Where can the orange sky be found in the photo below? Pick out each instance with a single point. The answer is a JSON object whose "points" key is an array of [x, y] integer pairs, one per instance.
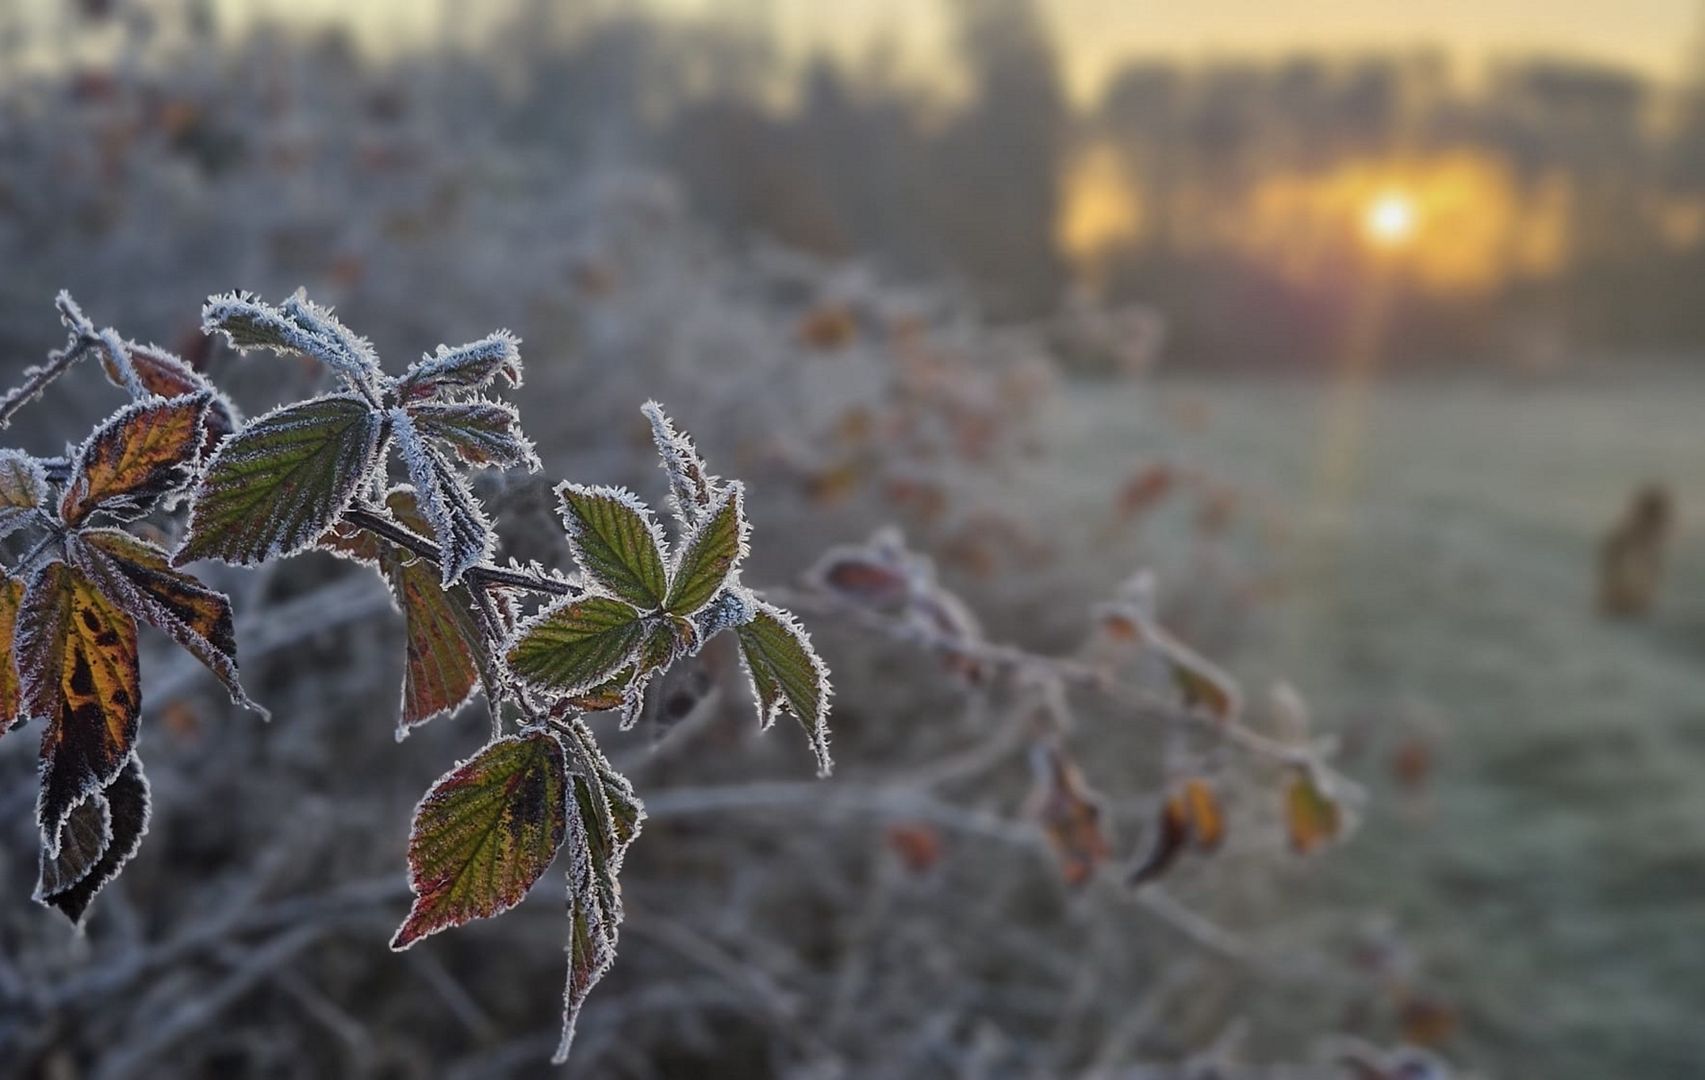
{"points": [[1096, 35]]}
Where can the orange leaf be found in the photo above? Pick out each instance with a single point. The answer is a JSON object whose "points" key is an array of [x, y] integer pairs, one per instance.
{"points": [[1312, 817], [147, 449]]}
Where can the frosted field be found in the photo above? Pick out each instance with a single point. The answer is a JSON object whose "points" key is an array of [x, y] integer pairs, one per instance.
{"points": [[1553, 878]]}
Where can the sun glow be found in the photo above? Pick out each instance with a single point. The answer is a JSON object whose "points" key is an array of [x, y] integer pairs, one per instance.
{"points": [[1390, 220]]}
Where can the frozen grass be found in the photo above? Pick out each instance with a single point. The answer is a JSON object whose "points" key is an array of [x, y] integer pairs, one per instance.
{"points": [[1551, 881]]}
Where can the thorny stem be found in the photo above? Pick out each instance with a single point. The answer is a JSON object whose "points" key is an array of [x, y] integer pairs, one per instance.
{"points": [[483, 574], [1067, 670], [36, 379]]}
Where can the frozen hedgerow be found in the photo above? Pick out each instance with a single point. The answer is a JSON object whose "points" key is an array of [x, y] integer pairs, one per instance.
{"points": [[542, 646]]}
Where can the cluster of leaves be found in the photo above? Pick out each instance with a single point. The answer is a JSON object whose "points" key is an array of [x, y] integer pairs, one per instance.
{"points": [[317, 475]]}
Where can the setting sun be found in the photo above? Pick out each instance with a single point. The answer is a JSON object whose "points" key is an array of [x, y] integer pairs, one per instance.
{"points": [[1390, 219]]}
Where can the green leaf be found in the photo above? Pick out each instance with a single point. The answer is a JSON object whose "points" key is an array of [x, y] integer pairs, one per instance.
{"points": [[574, 645], [297, 325], [100, 836], [23, 489], [459, 524], [76, 655], [273, 488], [138, 577], [691, 487], [710, 555], [591, 933], [485, 833], [466, 367], [616, 542], [787, 673], [146, 450], [480, 432]]}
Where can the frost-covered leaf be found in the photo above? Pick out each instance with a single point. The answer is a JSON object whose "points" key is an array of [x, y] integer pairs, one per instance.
{"points": [[576, 644], [76, 654], [591, 933], [1191, 815], [144, 451], [480, 432], [11, 596], [1070, 815], [616, 542], [297, 325], [709, 556], [122, 810], [786, 672], [138, 577], [691, 487], [1313, 818], [149, 369], [467, 367], [458, 522], [484, 834], [273, 488], [440, 629], [23, 490]]}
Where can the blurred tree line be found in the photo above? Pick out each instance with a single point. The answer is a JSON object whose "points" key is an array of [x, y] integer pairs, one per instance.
{"points": [[1560, 204]]}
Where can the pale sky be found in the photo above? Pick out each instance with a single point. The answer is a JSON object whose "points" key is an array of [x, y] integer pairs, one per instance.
{"points": [[1095, 35]]}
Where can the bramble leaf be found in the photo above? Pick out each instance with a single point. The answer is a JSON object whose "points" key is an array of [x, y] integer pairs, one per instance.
{"points": [[76, 654], [458, 522], [11, 596], [1191, 814], [574, 645], [691, 487], [480, 432], [616, 542], [466, 367], [441, 672], [709, 556], [138, 577], [273, 488], [591, 935], [786, 672], [144, 451], [149, 369], [23, 489], [70, 883], [484, 834], [297, 325], [1313, 818]]}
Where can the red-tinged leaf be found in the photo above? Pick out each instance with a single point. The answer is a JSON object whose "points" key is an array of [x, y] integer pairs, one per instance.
{"points": [[616, 542], [459, 524], [23, 490], [138, 577], [480, 432], [485, 833], [149, 369], [786, 672], [275, 487], [708, 558], [146, 450], [71, 882], [76, 655], [575, 645], [854, 574], [918, 845], [1313, 818], [441, 672], [11, 596], [467, 367]]}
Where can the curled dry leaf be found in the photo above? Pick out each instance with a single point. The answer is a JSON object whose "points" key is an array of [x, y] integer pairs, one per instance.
{"points": [[1070, 814]]}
